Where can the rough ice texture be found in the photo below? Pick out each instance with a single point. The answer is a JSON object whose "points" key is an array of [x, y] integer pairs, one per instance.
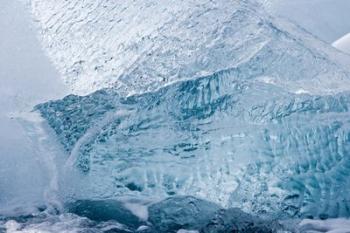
{"points": [[141, 45], [243, 144], [178, 213], [235, 220], [267, 130]]}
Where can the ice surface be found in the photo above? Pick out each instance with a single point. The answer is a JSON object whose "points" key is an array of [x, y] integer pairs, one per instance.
{"points": [[178, 213], [262, 124], [239, 143], [234, 106], [235, 220], [98, 44]]}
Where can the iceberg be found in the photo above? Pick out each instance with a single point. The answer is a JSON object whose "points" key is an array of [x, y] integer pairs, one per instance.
{"points": [[233, 142], [238, 108], [181, 116]]}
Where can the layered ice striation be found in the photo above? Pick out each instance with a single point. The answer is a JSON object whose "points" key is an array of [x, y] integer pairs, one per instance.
{"points": [[137, 46], [259, 120]]}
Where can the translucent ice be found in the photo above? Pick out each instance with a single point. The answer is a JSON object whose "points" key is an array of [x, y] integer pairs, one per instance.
{"points": [[140, 45], [258, 121]]}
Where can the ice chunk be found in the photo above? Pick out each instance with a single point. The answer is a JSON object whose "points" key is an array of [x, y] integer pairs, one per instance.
{"points": [[239, 143], [243, 136], [235, 220], [176, 213], [105, 210]]}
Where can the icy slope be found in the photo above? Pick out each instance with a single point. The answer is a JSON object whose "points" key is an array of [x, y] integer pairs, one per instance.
{"points": [[139, 46], [259, 120]]}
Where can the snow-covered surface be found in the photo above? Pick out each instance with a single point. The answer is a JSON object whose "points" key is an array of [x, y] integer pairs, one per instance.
{"points": [[343, 44]]}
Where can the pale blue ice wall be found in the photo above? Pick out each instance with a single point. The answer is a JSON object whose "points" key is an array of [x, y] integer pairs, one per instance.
{"points": [[268, 133]]}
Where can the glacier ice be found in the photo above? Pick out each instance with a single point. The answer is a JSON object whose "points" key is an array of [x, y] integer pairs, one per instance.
{"points": [[235, 220], [189, 213], [99, 44], [237, 142], [175, 214], [238, 108], [172, 215]]}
